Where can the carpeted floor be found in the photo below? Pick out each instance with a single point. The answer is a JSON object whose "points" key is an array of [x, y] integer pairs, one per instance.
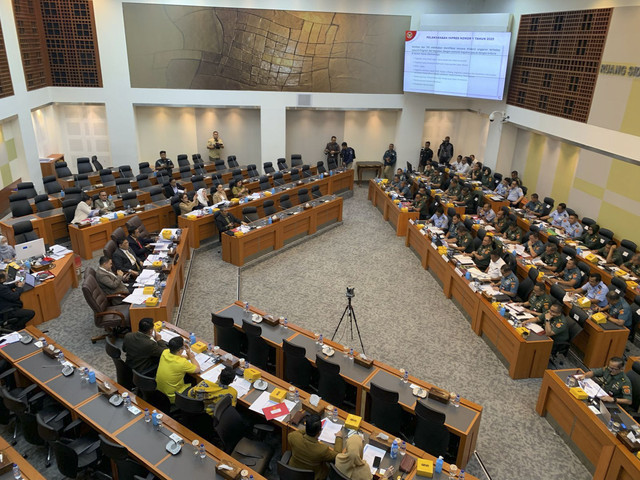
{"points": [[403, 316]]}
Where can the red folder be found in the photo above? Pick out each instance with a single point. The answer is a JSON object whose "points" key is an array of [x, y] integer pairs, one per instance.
{"points": [[275, 411]]}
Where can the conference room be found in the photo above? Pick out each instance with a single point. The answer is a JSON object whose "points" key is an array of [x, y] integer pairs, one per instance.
{"points": [[257, 245]]}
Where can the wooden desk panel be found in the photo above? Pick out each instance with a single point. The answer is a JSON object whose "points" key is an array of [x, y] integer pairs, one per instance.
{"points": [[28, 471], [390, 210]]}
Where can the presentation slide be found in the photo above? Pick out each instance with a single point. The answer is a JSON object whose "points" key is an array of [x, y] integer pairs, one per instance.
{"points": [[463, 64]]}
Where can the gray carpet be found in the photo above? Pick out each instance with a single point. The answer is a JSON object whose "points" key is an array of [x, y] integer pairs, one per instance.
{"points": [[404, 318]]}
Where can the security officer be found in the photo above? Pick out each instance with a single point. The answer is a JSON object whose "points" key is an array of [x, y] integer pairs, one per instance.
{"points": [[463, 240], [513, 233], [555, 326], [539, 300], [613, 380], [550, 258], [534, 206], [482, 256], [618, 310], [509, 283], [534, 245], [571, 275], [595, 289]]}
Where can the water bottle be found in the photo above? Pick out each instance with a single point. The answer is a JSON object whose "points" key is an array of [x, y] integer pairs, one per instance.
{"points": [[461, 475], [439, 463], [269, 221], [351, 354], [61, 358], [86, 375], [126, 399], [147, 416], [83, 378], [92, 376], [203, 452], [209, 348], [45, 344], [192, 338], [291, 395], [297, 396], [456, 401], [154, 418], [16, 472], [476, 282], [61, 193], [335, 414], [285, 324], [502, 311], [321, 340], [164, 325], [403, 448], [110, 197], [405, 377], [468, 275], [394, 450], [246, 307], [610, 425]]}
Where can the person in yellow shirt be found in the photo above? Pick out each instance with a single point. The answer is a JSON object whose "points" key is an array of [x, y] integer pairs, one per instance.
{"points": [[173, 366], [211, 393], [214, 145]]}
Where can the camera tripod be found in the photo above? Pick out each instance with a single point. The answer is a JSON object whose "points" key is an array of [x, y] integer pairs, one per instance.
{"points": [[348, 310]]}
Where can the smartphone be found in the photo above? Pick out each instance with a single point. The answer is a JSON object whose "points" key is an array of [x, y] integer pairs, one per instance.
{"points": [[376, 462]]}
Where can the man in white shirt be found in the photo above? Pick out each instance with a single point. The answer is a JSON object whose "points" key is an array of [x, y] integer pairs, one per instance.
{"points": [[494, 269], [463, 167]]}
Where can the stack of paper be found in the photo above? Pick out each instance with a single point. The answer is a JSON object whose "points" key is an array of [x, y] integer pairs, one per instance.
{"points": [[146, 277], [241, 385], [205, 361], [592, 388], [329, 430], [463, 259], [263, 401], [58, 251], [167, 335], [370, 453], [212, 374], [137, 297]]}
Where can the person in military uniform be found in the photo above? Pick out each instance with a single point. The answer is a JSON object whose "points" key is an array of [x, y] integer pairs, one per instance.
{"points": [[466, 200], [556, 217], [513, 233], [611, 253], [488, 181], [613, 380], [211, 393], [486, 213], [550, 258], [595, 290], [571, 226], [420, 205], [501, 222], [534, 245], [509, 283], [555, 326], [539, 301], [426, 155], [441, 180], [617, 310], [534, 206], [571, 275], [591, 236], [456, 221], [482, 255], [633, 265], [476, 172], [434, 175], [463, 240], [454, 189]]}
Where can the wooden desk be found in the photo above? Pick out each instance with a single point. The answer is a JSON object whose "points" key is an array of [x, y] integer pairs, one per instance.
{"points": [[172, 293], [617, 464], [26, 469], [586, 431], [236, 250], [390, 211], [45, 298], [375, 166], [48, 167]]}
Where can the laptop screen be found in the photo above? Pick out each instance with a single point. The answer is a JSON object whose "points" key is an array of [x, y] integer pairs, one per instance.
{"points": [[11, 273], [30, 280]]}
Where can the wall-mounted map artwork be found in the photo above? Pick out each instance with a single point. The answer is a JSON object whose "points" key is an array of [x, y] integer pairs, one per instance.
{"points": [[211, 48]]}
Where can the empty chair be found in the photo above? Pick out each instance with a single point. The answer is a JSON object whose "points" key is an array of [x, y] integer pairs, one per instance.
{"points": [[431, 434], [618, 285], [69, 208], [579, 315], [282, 164], [96, 164], [306, 171], [144, 167], [586, 221], [199, 169], [219, 164], [264, 184], [606, 233], [130, 199], [285, 202], [216, 178], [148, 390], [250, 214], [268, 207], [198, 182], [268, 167], [123, 185], [295, 174], [386, 412], [51, 184], [296, 160], [303, 195], [106, 175], [185, 172], [183, 161], [42, 203], [62, 170], [315, 191], [84, 165], [125, 466], [331, 387], [73, 193], [258, 351], [19, 205], [125, 171], [27, 188], [332, 164], [278, 179], [232, 161], [197, 158], [193, 415], [124, 374], [252, 171], [226, 335], [143, 180], [156, 194], [82, 180], [321, 168], [287, 472], [162, 177], [297, 369], [23, 232]]}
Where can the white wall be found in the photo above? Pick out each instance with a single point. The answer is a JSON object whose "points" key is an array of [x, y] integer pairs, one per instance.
{"points": [[467, 131]]}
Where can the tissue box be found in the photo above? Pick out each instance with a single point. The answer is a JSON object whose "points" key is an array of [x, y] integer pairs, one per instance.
{"points": [[238, 234], [353, 422], [404, 209], [157, 326], [166, 234], [199, 347], [104, 220], [149, 291], [522, 331], [156, 263], [591, 258], [579, 393], [191, 216], [251, 374], [420, 225], [620, 273], [631, 284], [442, 250], [267, 193], [583, 302], [599, 317], [151, 302], [396, 201], [424, 467], [278, 395], [120, 215]]}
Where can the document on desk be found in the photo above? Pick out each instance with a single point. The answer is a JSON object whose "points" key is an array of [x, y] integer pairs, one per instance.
{"points": [[241, 385], [9, 339], [592, 388], [205, 361], [263, 402], [167, 335], [463, 259], [535, 328], [370, 453], [329, 430], [58, 251], [212, 374], [146, 277], [137, 296]]}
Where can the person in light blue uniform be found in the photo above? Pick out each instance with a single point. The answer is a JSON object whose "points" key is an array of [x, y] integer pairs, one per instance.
{"points": [[439, 219], [617, 310], [572, 226], [556, 217], [595, 290], [509, 283]]}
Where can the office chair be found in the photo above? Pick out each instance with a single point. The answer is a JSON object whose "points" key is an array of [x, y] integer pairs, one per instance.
{"points": [[81, 180], [618, 285], [563, 347], [42, 203], [124, 374], [331, 387], [606, 233], [268, 168], [62, 170], [268, 208], [51, 184], [296, 160], [19, 205], [232, 431], [156, 194], [106, 175], [476, 242], [579, 315], [148, 389], [199, 169], [303, 195], [84, 165], [130, 200], [524, 290], [634, 378], [335, 474], [219, 164], [557, 292], [431, 434], [298, 370], [192, 414], [108, 249], [263, 183], [629, 245], [321, 168], [306, 171], [27, 189], [183, 161], [113, 318], [185, 172], [287, 472], [197, 158], [125, 171], [252, 171], [19, 401], [250, 214], [569, 251], [282, 164], [125, 467], [315, 191], [175, 205], [123, 185], [332, 164], [532, 274], [96, 164], [73, 193], [278, 179], [23, 232], [198, 182], [232, 162], [285, 202], [258, 351], [69, 209], [236, 174], [135, 222], [295, 175], [227, 336], [143, 180], [144, 168], [585, 270], [386, 413]]}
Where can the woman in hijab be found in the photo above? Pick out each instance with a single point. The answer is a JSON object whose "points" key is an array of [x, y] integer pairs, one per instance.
{"points": [[7, 252], [201, 197], [350, 462]]}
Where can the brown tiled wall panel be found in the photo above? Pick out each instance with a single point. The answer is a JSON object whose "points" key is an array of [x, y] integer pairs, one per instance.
{"points": [[6, 87]]}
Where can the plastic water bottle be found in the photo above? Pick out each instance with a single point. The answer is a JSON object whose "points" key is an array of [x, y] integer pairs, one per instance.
{"points": [[85, 375], [456, 401], [209, 348], [335, 414], [285, 324], [147, 416], [61, 358], [468, 275], [393, 453], [127, 400], [110, 197], [321, 340], [203, 452], [92, 376], [502, 311], [246, 307], [154, 418], [351, 354], [403, 448], [296, 397], [439, 463], [405, 377], [192, 338], [16, 471], [61, 193], [461, 475]]}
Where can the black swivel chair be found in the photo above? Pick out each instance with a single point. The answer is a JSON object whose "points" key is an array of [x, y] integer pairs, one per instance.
{"points": [[144, 168], [557, 292], [386, 413], [130, 199], [268, 207], [227, 336], [258, 351], [198, 182], [219, 164], [192, 414], [282, 164], [331, 386], [183, 161], [285, 202], [84, 165], [236, 174], [81, 180], [143, 180], [51, 184], [185, 172], [335, 474], [42, 203], [148, 390], [263, 183], [106, 175], [27, 188], [124, 374], [321, 168], [232, 161], [23, 232], [199, 169], [19, 205], [73, 193], [563, 347], [579, 315], [634, 378], [297, 369], [156, 194], [315, 191], [303, 195], [125, 171], [125, 467], [268, 168], [296, 160], [278, 179], [524, 290], [250, 214], [96, 164], [123, 185], [306, 171], [431, 434], [295, 175], [62, 170], [287, 472], [69, 209], [252, 171]]}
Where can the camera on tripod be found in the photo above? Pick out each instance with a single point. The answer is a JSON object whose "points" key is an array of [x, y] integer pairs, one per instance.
{"points": [[350, 292]]}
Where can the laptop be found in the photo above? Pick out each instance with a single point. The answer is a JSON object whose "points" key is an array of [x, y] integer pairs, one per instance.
{"points": [[11, 275], [34, 248], [29, 282]]}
